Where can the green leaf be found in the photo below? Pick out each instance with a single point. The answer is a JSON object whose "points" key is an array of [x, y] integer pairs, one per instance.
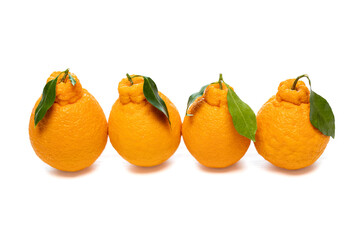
{"points": [[243, 117], [193, 97], [72, 80], [47, 100], [321, 115], [152, 96]]}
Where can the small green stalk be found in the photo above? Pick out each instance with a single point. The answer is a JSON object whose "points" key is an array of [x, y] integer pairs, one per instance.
{"points": [[221, 80], [129, 78], [66, 72], [297, 79]]}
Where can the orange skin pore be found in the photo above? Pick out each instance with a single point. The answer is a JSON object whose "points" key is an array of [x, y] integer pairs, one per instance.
{"points": [[73, 133], [210, 135], [285, 136], [138, 131]]}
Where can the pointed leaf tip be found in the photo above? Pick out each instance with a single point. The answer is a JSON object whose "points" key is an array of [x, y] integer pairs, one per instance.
{"points": [[243, 117], [47, 100], [152, 96]]}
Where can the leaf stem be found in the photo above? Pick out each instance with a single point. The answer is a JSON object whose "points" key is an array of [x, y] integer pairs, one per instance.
{"points": [[129, 78], [297, 79], [221, 80]]}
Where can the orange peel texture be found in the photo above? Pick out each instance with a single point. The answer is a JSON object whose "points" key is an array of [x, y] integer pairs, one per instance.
{"points": [[138, 131], [73, 133], [210, 135], [285, 136]]}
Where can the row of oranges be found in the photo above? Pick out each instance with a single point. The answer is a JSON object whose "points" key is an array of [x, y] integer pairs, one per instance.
{"points": [[68, 129]]}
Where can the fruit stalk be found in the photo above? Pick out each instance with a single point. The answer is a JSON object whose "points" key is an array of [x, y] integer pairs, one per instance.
{"points": [[221, 80], [129, 78], [297, 79], [66, 72]]}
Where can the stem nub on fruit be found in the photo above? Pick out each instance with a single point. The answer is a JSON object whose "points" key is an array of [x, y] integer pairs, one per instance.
{"points": [[129, 78], [221, 80], [66, 72]]}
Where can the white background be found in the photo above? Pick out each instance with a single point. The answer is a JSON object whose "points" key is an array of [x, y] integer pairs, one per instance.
{"points": [[182, 45]]}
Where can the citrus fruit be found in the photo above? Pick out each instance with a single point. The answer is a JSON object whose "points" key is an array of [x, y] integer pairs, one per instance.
{"points": [[140, 132], [73, 132], [285, 136], [208, 129]]}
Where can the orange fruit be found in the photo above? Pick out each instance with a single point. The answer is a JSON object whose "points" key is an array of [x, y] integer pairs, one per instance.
{"points": [[210, 135], [73, 133], [138, 131], [285, 136]]}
